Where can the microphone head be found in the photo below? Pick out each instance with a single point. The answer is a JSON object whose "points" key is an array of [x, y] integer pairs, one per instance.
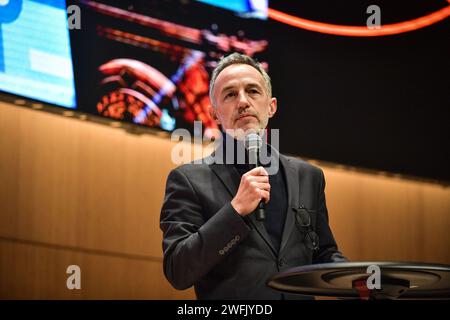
{"points": [[253, 141]]}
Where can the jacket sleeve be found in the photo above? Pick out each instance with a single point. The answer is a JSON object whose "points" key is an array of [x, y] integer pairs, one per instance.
{"points": [[328, 250], [191, 244]]}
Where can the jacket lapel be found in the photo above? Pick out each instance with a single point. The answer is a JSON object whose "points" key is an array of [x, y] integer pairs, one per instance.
{"points": [[229, 176], [261, 228], [292, 185]]}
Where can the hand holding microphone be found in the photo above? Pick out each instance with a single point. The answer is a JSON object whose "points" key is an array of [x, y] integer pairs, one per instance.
{"points": [[254, 189]]}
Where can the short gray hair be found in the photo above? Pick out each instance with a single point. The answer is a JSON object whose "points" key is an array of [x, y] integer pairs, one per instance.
{"points": [[237, 58]]}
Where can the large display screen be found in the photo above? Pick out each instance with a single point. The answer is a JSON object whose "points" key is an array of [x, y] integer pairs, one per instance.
{"points": [[347, 93], [135, 62], [35, 57]]}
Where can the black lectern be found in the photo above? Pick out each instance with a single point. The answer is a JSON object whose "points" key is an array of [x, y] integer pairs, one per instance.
{"points": [[399, 280]]}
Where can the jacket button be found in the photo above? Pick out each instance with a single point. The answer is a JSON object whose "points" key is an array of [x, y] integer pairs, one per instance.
{"points": [[280, 262]]}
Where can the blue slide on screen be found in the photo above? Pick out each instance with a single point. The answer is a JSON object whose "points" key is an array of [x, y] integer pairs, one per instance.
{"points": [[35, 58]]}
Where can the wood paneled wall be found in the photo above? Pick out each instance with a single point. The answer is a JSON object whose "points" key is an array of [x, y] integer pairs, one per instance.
{"points": [[77, 192]]}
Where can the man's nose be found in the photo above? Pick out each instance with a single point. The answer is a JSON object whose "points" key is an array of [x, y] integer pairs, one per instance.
{"points": [[242, 100]]}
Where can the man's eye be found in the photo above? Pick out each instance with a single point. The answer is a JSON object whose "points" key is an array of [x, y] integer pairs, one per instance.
{"points": [[229, 94], [253, 91]]}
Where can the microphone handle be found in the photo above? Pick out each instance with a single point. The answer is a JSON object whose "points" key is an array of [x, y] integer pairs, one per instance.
{"points": [[261, 211], [261, 208]]}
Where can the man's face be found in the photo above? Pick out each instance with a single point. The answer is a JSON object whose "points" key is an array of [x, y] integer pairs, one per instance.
{"points": [[241, 99]]}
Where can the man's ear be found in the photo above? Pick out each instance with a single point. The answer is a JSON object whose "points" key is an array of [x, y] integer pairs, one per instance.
{"points": [[272, 107], [213, 113]]}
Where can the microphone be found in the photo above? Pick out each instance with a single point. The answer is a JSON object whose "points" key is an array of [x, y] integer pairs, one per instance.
{"points": [[253, 143]]}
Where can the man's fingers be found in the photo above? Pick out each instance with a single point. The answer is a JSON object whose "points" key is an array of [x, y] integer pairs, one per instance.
{"points": [[260, 179], [265, 195], [262, 186], [258, 171], [262, 171]]}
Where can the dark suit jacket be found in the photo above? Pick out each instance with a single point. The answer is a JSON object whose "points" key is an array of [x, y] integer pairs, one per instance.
{"points": [[208, 245]]}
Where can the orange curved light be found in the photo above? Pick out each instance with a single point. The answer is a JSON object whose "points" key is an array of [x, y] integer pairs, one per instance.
{"points": [[359, 31]]}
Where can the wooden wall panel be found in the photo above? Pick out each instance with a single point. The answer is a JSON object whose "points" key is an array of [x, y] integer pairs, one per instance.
{"points": [[375, 217], [29, 271], [72, 189], [81, 184]]}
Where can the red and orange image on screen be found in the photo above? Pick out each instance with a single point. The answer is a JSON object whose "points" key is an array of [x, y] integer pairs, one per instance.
{"points": [[161, 78]]}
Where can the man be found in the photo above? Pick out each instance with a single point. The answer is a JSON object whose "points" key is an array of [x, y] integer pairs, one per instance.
{"points": [[212, 239]]}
